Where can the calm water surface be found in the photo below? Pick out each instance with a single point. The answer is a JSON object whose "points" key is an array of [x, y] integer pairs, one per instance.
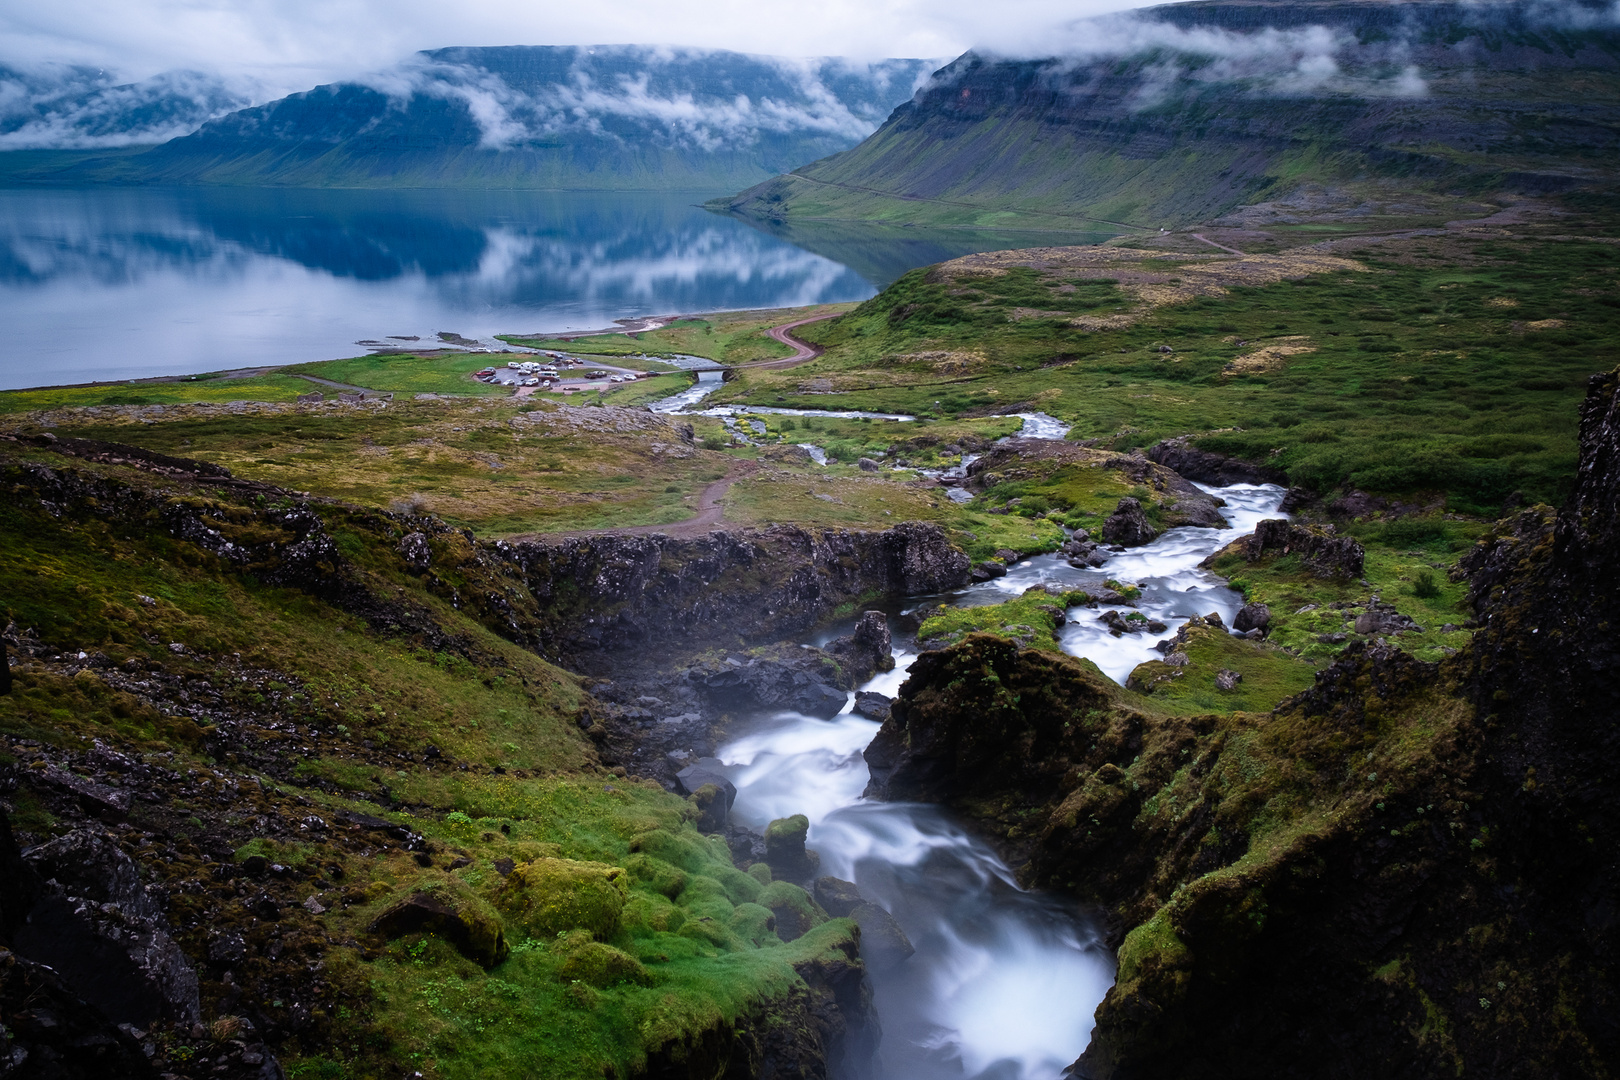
{"points": [[108, 284]]}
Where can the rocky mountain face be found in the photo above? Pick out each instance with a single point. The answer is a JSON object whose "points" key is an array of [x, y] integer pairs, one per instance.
{"points": [[608, 117], [1404, 871], [1182, 113]]}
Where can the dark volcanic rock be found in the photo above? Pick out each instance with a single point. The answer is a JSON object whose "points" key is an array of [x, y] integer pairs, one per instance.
{"points": [[883, 943], [784, 677], [1207, 467], [104, 932], [867, 651], [1322, 551], [1128, 525], [873, 705], [53, 1034], [600, 596], [1252, 616], [837, 896]]}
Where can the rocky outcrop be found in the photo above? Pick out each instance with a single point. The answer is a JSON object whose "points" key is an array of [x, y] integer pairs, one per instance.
{"points": [[1173, 499], [982, 717], [780, 677], [1320, 549], [1128, 525], [601, 595], [103, 931], [1207, 467], [865, 652]]}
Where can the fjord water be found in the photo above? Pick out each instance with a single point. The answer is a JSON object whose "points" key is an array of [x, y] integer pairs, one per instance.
{"points": [[1004, 982], [121, 283]]}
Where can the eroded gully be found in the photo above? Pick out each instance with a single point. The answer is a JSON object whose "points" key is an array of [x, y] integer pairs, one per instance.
{"points": [[1004, 982]]}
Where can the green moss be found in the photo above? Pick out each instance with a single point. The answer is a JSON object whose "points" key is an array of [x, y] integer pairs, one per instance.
{"points": [[1033, 620], [549, 896]]}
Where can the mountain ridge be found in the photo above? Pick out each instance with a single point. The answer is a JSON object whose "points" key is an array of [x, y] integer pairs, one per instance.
{"points": [[1185, 112], [544, 117]]}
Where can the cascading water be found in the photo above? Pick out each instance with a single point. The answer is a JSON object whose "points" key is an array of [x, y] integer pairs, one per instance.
{"points": [[1004, 982]]}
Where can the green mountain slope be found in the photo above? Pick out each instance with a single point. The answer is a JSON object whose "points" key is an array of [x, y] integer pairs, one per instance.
{"points": [[1187, 111]]}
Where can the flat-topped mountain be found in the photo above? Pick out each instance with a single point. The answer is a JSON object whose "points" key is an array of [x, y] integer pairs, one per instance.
{"points": [[1184, 112], [610, 117]]}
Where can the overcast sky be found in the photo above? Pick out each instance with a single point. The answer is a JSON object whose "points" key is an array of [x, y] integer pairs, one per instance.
{"points": [[287, 45]]}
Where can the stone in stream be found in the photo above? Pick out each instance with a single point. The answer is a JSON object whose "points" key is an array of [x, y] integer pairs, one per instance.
{"points": [[837, 896], [866, 652], [873, 705], [1128, 525], [988, 571], [883, 943], [785, 852]]}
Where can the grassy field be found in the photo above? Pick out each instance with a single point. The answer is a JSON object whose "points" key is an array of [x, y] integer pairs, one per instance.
{"points": [[413, 373], [1444, 365], [203, 389], [728, 337]]}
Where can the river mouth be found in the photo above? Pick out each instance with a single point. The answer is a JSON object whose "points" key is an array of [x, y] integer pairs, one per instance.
{"points": [[1004, 982]]}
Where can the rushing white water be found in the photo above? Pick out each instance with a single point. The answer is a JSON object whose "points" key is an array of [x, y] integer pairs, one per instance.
{"points": [[1037, 425], [1004, 983]]}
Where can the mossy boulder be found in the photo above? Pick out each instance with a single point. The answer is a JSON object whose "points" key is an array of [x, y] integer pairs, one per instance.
{"points": [[785, 851], [602, 966], [655, 875], [796, 913], [549, 896]]}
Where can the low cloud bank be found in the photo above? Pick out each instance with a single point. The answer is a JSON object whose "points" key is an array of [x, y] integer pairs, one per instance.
{"points": [[82, 108], [632, 91]]}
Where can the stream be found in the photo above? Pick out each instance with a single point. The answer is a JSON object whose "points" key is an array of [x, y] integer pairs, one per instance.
{"points": [[1004, 982]]}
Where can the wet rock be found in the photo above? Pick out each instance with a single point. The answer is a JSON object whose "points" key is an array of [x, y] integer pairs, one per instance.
{"points": [[747, 846], [1252, 616], [1133, 623], [883, 943], [476, 934], [837, 896], [785, 852], [866, 464], [867, 651], [693, 777], [1227, 679], [415, 551], [785, 677], [1128, 525], [873, 705], [1214, 619], [988, 570]]}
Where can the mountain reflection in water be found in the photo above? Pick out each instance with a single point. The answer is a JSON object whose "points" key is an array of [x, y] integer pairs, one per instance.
{"points": [[127, 283]]}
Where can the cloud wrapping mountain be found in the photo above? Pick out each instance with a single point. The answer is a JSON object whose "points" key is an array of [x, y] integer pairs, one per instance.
{"points": [[81, 108]]}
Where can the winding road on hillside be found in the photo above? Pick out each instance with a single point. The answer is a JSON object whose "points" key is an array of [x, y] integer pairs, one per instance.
{"points": [[802, 350]]}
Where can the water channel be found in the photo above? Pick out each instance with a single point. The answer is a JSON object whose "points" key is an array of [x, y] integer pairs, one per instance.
{"points": [[1004, 982]]}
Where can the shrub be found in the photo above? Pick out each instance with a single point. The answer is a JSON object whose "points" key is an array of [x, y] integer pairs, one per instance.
{"points": [[1424, 585]]}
